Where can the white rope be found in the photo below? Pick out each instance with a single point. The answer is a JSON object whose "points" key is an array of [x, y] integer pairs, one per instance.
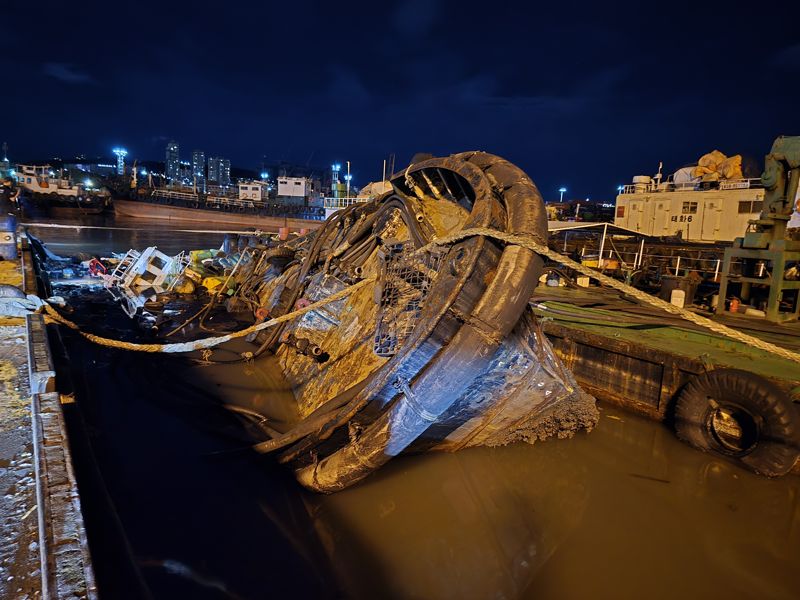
{"points": [[205, 342], [525, 241], [528, 242]]}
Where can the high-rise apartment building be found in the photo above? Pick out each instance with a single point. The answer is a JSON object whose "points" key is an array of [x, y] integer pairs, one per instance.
{"points": [[199, 169], [219, 170], [172, 164]]}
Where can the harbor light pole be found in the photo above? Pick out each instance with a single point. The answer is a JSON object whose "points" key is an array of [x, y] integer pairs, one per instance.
{"points": [[562, 190], [121, 154], [347, 178]]}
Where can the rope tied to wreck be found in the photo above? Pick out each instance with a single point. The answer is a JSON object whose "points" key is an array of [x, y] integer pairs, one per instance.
{"points": [[530, 243], [205, 343], [524, 241]]}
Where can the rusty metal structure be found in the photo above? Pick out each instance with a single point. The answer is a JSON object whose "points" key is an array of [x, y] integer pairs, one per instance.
{"points": [[765, 252]]}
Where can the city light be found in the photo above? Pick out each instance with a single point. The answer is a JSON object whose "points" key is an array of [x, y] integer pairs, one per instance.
{"points": [[88, 183], [562, 190], [620, 188], [348, 177], [144, 171], [264, 174]]}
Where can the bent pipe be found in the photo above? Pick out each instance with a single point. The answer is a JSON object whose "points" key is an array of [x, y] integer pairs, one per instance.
{"points": [[465, 355]]}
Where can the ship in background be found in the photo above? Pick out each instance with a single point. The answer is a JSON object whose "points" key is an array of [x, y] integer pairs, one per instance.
{"points": [[42, 190], [710, 202], [291, 203]]}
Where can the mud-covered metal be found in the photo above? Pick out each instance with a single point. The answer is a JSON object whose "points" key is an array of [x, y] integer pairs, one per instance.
{"points": [[435, 354]]}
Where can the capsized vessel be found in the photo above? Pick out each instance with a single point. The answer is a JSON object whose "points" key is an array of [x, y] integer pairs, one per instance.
{"points": [[440, 351]]}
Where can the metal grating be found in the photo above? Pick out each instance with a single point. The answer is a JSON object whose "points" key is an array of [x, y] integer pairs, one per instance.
{"points": [[407, 279]]}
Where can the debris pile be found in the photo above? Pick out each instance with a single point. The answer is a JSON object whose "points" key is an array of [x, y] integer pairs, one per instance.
{"points": [[441, 352], [390, 340]]}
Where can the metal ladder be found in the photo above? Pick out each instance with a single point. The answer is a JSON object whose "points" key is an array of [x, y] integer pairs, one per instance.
{"points": [[118, 274]]}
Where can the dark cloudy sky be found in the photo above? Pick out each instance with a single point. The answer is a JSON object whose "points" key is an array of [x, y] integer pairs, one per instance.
{"points": [[582, 95]]}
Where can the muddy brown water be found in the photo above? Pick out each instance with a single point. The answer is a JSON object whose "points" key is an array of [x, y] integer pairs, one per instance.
{"points": [[626, 511]]}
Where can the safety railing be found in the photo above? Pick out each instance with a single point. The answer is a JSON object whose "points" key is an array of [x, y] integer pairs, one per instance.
{"points": [[224, 201], [340, 203], [670, 186], [176, 195]]}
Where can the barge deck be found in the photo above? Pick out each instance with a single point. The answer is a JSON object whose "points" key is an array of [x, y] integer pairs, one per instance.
{"points": [[643, 360]]}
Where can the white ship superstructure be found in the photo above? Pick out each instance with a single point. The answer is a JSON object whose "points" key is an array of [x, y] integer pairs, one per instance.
{"points": [[697, 211]]}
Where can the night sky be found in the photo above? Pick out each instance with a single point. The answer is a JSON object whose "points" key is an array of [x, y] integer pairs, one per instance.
{"points": [[584, 96]]}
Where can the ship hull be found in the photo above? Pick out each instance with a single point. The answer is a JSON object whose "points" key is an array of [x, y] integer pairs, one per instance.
{"points": [[147, 210], [57, 206]]}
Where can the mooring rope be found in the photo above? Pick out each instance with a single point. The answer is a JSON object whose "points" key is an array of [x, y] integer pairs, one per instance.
{"points": [[205, 342], [525, 241]]}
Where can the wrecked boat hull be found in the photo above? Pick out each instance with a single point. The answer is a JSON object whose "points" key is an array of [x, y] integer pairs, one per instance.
{"points": [[429, 392], [390, 339]]}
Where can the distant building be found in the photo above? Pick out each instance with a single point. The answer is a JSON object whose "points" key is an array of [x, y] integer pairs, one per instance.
{"points": [[219, 171], [185, 172], [172, 164], [199, 169]]}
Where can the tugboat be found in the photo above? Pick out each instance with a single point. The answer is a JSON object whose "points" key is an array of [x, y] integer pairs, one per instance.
{"points": [[41, 189]]}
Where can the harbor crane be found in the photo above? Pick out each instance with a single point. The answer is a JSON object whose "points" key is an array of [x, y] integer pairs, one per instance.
{"points": [[765, 242]]}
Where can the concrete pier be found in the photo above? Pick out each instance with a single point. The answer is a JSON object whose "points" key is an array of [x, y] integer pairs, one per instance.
{"points": [[43, 549], [19, 542]]}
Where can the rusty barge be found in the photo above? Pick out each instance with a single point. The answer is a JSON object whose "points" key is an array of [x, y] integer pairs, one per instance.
{"points": [[176, 211]]}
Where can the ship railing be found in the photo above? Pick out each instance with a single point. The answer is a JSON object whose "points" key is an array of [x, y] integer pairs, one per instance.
{"points": [[340, 203], [122, 268], [689, 186], [225, 202], [173, 194]]}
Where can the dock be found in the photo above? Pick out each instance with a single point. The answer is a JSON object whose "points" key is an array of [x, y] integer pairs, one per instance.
{"points": [[44, 552], [641, 359]]}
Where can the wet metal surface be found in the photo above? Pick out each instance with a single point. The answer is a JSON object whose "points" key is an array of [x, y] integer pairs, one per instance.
{"points": [[625, 512]]}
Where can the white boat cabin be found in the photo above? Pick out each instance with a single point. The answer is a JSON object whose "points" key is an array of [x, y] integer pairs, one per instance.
{"points": [[42, 179], [698, 212]]}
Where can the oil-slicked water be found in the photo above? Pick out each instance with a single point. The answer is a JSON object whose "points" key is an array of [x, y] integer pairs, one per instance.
{"points": [[626, 511]]}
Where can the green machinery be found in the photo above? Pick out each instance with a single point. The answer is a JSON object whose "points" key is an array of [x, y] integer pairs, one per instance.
{"points": [[764, 252]]}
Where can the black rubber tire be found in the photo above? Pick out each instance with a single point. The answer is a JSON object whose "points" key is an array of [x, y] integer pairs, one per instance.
{"points": [[771, 419]]}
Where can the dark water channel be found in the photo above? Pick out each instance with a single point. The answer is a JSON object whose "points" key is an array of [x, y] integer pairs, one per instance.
{"points": [[176, 509]]}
